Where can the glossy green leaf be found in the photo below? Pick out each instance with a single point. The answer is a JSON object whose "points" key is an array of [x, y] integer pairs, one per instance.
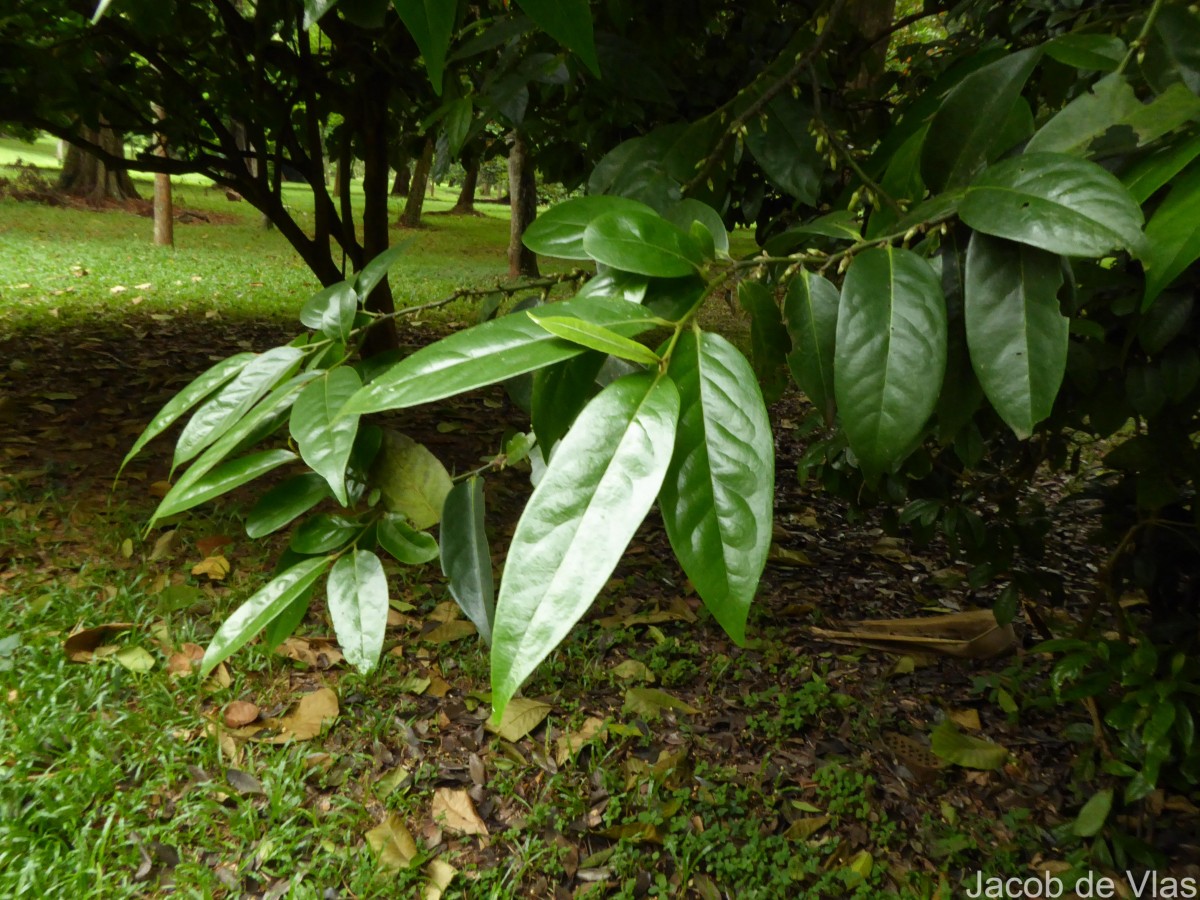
{"points": [[1172, 235], [1056, 203], [559, 393], [220, 480], [783, 144], [769, 341], [613, 284], [963, 134], [329, 308], [217, 415], [1172, 55], [1095, 52], [313, 10], [810, 309], [488, 353], [358, 606], [324, 437], [959, 749], [688, 211], [643, 243], [197, 390], [413, 481], [559, 230], [431, 23], [466, 558], [594, 494], [458, 125], [890, 354], [1094, 814], [284, 503], [1160, 167], [596, 337], [376, 270], [323, 532], [267, 603], [1016, 334], [405, 543], [567, 21], [717, 497], [842, 225]]}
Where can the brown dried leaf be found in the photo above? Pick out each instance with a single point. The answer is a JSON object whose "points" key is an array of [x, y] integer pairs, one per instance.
{"points": [[453, 809], [570, 744], [81, 645], [520, 717], [966, 718], [311, 714], [164, 545], [215, 568], [240, 713], [320, 653], [209, 545]]}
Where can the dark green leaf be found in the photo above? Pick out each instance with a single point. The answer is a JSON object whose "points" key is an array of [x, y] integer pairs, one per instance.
{"points": [[688, 211], [717, 498], [1172, 235], [596, 337], [963, 133], [1095, 52], [220, 480], [1173, 53], [643, 243], [283, 503], [811, 311], [594, 494], [313, 10], [1056, 203], [1160, 167], [466, 559], [458, 125], [376, 270], [358, 606], [842, 225], [567, 21], [249, 618], [325, 438], [323, 533], [1016, 334], [783, 144], [431, 23], [613, 284], [199, 388], [559, 231], [890, 354], [329, 307], [488, 353], [405, 543], [769, 341], [559, 393]]}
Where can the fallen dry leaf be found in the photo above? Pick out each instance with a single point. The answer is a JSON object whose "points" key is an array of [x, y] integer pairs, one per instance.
{"points": [[966, 718], [81, 645], [449, 631], [393, 843], [214, 542], [215, 568], [570, 744], [163, 545], [440, 873], [240, 713], [304, 723], [320, 653], [520, 717], [453, 809]]}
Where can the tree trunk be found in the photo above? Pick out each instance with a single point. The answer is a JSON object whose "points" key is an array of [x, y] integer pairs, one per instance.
{"points": [[465, 205], [411, 217], [871, 17], [164, 212], [400, 185], [382, 336], [522, 190], [86, 176]]}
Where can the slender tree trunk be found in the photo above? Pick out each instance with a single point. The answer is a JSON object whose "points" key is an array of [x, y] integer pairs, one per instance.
{"points": [[164, 211], [85, 176], [411, 218], [870, 17], [382, 336], [402, 180], [522, 191], [465, 205]]}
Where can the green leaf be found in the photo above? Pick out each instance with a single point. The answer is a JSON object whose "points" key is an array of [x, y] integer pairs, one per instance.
{"points": [[330, 309], [220, 480], [718, 495], [890, 354], [488, 353], [643, 243], [597, 337], [688, 211], [959, 749], [431, 23], [466, 559], [559, 393], [811, 311], [594, 494], [1056, 203], [567, 21], [613, 284], [376, 270], [1093, 52], [1160, 167], [323, 533], [313, 11], [1094, 814], [1172, 55], [267, 603], [325, 439], [285, 502], [1172, 235], [405, 543], [223, 411], [783, 144], [559, 231], [458, 125], [769, 341], [963, 134], [201, 387], [358, 606], [841, 225], [1016, 334], [413, 481]]}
